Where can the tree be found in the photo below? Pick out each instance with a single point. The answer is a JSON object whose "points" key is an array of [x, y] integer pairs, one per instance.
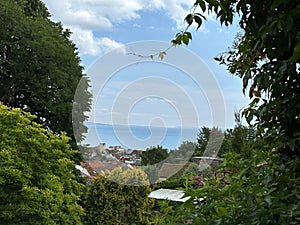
{"points": [[240, 139], [37, 178], [39, 66], [110, 202], [184, 152], [154, 155], [262, 188], [209, 142]]}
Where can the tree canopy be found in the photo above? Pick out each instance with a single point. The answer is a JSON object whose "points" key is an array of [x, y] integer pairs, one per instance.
{"points": [[39, 65], [37, 179], [154, 155]]}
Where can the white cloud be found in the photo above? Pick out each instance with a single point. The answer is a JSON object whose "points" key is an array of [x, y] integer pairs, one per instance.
{"points": [[91, 45], [84, 17]]}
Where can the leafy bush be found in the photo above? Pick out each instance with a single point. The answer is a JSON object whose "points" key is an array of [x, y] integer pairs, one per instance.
{"points": [[37, 178], [108, 202]]}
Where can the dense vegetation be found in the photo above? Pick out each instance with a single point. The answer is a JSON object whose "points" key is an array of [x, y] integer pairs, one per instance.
{"points": [[258, 181], [39, 66], [261, 186], [38, 184], [118, 197]]}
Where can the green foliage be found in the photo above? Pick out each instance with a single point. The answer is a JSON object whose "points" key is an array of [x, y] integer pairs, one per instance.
{"points": [[184, 152], [172, 183], [154, 155], [238, 139], [167, 213], [39, 66], [133, 177], [209, 142], [37, 178], [256, 190], [252, 191], [182, 37], [108, 202], [202, 170], [152, 172], [258, 183], [265, 57]]}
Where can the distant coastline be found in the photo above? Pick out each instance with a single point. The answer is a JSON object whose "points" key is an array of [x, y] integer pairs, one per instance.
{"points": [[137, 125], [138, 136]]}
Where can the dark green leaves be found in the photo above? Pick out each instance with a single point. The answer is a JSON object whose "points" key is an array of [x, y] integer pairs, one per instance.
{"points": [[196, 17], [296, 53], [40, 71], [189, 19]]}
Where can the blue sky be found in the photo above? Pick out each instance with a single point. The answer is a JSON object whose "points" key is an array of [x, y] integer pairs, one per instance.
{"points": [[100, 26]]}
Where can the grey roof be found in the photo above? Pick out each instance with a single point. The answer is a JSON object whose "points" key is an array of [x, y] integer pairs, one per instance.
{"points": [[169, 194]]}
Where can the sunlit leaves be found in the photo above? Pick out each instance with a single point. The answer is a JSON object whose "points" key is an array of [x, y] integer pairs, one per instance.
{"points": [[182, 37], [109, 201], [38, 182], [161, 55]]}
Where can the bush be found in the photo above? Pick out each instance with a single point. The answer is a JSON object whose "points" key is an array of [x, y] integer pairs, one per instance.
{"points": [[37, 178], [108, 202]]}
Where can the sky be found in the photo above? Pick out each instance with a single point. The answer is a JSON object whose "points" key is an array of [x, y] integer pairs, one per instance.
{"points": [[187, 88]]}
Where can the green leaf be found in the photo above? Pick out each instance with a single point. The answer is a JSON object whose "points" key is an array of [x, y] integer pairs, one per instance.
{"points": [[186, 38], [296, 53], [161, 55], [189, 19], [202, 5], [198, 20], [276, 3]]}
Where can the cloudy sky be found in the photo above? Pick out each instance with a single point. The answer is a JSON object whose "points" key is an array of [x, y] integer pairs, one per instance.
{"points": [[178, 91]]}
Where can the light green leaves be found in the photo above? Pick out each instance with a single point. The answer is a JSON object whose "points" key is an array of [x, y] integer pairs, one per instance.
{"points": [[182, 37], [38, 179], [161, 55]]}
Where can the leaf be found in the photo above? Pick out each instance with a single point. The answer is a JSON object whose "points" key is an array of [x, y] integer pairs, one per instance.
{"points": [[188, 34], [174, 42], [189, 19], [202, 5], [198, 20], [185, 38], [296, 53], [178, 39], [276, 3], [161, 55]]}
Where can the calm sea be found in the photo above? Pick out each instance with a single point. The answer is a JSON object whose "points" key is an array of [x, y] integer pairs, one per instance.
{"points": [[138, 137]]}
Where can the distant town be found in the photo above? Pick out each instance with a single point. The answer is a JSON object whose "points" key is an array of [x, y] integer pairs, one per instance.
{"points": [[101, 158]]}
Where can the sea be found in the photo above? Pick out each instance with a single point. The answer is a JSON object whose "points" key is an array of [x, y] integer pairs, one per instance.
{"points": [[138, 137]]}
